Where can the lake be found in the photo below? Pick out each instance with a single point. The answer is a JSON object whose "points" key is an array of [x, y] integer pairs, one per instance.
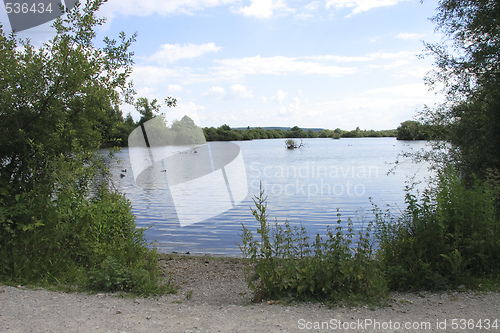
{"points": [[304, 186]]}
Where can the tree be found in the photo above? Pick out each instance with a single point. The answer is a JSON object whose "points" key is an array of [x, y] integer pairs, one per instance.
{"points": [[467, 65], [59, 109], [225, 133], [187, 132], [211, 134], [58, 105], [147, 109], [259, 133], [352, 134], [296, 132], [112, 126], [442, 237], [312, 134], [413, 130]]}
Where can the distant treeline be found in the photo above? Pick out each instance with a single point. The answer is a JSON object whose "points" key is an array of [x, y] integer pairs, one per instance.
{"points": [[408, 130], [226, 133]]}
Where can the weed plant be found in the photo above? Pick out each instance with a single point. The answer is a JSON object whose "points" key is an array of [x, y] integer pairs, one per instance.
{"points": [[332, 268], [447, 238]]}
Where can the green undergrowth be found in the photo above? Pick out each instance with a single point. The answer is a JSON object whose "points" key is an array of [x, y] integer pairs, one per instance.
{"points": [[334, 268], [63, 234], [448, 238]]}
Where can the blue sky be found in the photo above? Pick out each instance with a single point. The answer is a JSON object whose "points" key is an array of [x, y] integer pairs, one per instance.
{"points": [[325, 63]]}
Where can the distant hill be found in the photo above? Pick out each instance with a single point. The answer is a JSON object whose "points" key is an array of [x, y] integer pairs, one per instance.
{"points": [[280, 128]]}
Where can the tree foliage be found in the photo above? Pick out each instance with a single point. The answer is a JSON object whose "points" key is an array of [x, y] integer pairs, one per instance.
{"points": [[414, 130], [467, 66], [448, 234], [147, 109], [58, 110], [226, 133], [59, 103]]}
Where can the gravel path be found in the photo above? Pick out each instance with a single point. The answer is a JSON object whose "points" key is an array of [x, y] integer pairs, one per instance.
{"points": [[213, 297]]}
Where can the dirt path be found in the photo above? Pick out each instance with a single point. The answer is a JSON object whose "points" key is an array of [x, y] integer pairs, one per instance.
{"points": [[213, 297]]}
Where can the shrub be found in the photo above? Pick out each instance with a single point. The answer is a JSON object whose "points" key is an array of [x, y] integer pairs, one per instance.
{"points": [[447, 238], [63, 234], [334, 268], [56, 223], [292, 144]]}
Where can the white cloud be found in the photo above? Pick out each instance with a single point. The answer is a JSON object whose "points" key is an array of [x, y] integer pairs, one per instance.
{"points": [[393, 60], [285, 105], [155, 75], [236, 91], [366, 58], [368, 111], [239, 91], [312, 6], [263, 9], [173, 78], [235, 69], [415, 71], [215, 92], [395, 64], [149, 7], [169, 53], [291, 109], [186, 108], [148, 92], [393, 55], [174, 88], [308, 11], [339, 58], [280, 96], [294, 106], [278, 65], [418, 92], [360, 6]]}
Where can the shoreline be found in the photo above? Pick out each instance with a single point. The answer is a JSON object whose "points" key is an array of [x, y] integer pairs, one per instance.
{"points": [[213, 297]]}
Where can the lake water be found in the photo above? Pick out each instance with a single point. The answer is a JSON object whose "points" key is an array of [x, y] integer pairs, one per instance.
{"points": [[304, 186]]}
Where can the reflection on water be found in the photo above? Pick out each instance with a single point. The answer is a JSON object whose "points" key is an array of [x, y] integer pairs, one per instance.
{"points": [[305, 185]]}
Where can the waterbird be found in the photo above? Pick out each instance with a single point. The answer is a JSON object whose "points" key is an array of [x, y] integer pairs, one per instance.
{"points": [[122, 175], [124, 170]]}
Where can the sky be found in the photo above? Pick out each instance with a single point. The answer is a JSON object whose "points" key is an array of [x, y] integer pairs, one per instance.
{"points": [[307, 63]]}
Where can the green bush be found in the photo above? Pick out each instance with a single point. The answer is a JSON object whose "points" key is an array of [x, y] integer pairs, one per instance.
{"points": [[62, 233], [58, 225], [447, 238], [331, 269]]}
